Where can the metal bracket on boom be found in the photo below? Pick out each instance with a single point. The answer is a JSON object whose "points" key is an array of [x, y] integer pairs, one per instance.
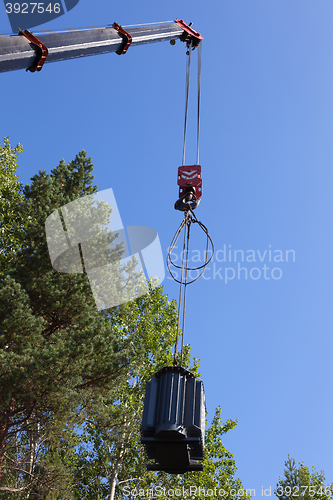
{"points": [[189, 36], [41, 50], [127, 39]]}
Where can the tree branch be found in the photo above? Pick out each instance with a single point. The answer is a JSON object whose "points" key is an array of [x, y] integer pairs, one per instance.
{"points": [[15, 490]]}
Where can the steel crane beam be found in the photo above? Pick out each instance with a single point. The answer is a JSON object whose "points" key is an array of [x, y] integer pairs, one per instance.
{"points": [[17, 52]]}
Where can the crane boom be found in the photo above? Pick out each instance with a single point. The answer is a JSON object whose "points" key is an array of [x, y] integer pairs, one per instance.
{"points": [[26, 52]]}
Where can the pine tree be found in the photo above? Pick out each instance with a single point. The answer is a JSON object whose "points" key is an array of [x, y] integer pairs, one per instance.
{"points": [[299, 482], [55, 347]]}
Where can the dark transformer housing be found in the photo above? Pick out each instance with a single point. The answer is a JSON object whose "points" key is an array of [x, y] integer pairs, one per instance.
{"points": [[173, 422]]}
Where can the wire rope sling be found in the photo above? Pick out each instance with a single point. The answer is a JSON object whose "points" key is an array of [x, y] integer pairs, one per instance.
{"points": [[173, 422]]}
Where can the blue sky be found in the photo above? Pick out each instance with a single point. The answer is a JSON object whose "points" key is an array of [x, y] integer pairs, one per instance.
{"points": [[266, 153]]}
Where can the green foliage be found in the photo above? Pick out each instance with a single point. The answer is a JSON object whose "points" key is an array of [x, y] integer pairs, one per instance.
{"points": [[55, 347], [94, 461], [299, 482], [72, 379], [12, 217]]}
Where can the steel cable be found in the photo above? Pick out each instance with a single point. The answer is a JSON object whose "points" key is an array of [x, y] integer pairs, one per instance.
{"points": [[187, 88], [199, 94], [189, 216]]}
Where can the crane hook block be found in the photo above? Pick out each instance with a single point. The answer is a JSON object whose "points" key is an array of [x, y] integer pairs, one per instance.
{"points": [[173, 421], [189, 180]]}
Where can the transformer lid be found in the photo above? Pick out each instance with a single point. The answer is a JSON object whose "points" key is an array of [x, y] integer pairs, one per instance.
{"points": [[174, 369]]}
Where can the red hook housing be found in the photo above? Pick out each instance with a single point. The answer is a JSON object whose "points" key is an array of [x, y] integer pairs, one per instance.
{"points": [[189, 180]]}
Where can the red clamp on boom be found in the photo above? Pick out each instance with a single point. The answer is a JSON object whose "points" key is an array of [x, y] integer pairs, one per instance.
{"points": [[189, 180], [189, 36], [41, 50], [126, 38]]}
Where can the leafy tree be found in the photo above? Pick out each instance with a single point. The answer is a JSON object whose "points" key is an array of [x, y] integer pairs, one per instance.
{"points": [[299, 482], [217, 480], [111, 462], [12, 217]]}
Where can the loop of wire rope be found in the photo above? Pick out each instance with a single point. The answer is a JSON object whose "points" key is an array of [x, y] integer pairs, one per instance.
{"points": [[189, 218], [173, 245]]}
